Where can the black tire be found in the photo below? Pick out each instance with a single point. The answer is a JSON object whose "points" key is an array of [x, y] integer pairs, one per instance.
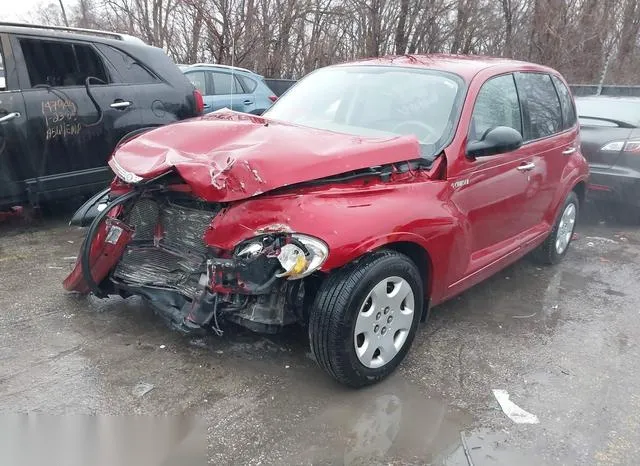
{"points": [[333, 316], [547, 253]]}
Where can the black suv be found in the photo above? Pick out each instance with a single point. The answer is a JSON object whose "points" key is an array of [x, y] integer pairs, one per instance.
{"points": [[68, 96]]}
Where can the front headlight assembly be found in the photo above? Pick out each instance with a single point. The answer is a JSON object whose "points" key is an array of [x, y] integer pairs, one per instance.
{"points": [[299, 255]]}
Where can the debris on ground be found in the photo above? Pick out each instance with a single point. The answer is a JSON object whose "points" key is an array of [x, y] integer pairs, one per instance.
{"points": [[467, 454], [142, 389], [513, 411]]}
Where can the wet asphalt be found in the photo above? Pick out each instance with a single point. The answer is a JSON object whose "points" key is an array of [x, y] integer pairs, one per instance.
{"points": [[562, 340]]}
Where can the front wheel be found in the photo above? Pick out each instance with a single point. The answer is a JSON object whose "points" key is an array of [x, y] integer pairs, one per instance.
{"points": [[557, 243], [365, 317]]}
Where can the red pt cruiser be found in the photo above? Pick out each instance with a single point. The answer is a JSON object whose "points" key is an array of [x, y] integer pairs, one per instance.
{"points": [[368, 193]]}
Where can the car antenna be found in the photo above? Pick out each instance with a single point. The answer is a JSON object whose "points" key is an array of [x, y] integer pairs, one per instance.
{"points": [[233, 77]]}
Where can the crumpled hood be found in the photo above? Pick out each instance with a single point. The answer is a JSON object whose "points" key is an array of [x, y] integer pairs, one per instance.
{"points": [[227, 156]]}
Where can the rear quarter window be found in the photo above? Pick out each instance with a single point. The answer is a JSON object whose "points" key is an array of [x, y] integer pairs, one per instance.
{"points": [[248, 84], [566, 103], [130, 70], [542, 104]]}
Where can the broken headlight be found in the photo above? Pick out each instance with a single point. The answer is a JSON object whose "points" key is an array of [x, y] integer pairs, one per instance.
{"points": [[123, 174], [299, 255]]}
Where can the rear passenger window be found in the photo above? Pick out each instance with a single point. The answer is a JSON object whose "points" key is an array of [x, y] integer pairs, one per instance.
{"points": [[545, 116], [199, 80], [248, 84], [496, 105], [131, 71], [59, 64], [223, 84], [566, 103]]}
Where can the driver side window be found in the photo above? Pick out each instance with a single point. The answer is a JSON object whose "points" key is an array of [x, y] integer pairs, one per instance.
{"points": [[497, 104]]}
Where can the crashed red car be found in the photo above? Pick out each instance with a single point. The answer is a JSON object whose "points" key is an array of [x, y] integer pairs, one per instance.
{"points": [[367, 194]]}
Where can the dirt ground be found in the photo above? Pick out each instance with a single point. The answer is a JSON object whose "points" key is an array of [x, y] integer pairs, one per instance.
{"points": [[563, 341]]}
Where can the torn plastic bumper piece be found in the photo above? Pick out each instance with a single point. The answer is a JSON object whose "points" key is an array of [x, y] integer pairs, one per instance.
{"points": [[90, 209], [106, 249]]}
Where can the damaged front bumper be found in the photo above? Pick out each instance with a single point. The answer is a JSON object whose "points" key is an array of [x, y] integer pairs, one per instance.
{"points": [[152, 246]]}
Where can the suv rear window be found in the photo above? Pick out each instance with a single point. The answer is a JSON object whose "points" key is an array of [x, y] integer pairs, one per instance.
{"points": [[248, 84], [60, 64], [223, 83], [128, 67], [545, 115]]}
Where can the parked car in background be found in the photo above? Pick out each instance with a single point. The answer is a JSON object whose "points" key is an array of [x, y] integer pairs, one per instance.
{"points": [[230, 87], [610, 134], [368, 193], [69, 97]]}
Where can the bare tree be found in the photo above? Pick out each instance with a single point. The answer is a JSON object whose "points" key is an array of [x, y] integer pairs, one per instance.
{"points": [[289, 38]]}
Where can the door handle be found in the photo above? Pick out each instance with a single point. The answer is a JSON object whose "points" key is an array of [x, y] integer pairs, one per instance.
{"points": [[9, 117], [120, 105], [206, 106], [248, 102], [569, 151], [526, 167]]}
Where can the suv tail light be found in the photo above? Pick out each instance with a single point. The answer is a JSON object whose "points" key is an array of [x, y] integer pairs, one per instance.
{"points": [[197, 95], [632, 146], [273, 98]]}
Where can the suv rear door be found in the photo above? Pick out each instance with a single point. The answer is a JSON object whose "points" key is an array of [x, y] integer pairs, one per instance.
{"points": [[14, 147], [70, 133], [227, 91]]}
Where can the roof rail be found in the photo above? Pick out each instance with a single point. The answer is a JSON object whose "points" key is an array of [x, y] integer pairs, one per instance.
{"points": [[217, 65], [95, 32]]}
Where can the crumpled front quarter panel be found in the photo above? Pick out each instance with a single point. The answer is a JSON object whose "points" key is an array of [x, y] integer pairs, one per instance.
{"points": [[352, 221]]}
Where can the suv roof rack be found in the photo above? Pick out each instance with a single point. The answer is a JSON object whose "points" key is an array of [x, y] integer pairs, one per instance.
{"points": [[217, 65], [95, 32]]}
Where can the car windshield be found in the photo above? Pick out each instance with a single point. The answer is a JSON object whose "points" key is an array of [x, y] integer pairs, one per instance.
{"points": [[377, 101], [627, 111]]}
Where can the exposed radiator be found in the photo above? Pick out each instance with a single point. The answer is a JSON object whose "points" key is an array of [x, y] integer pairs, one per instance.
{"points": [[158, 267], [180, 256]]}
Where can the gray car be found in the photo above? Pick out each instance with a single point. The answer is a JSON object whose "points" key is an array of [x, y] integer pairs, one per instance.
{"points": [[230, 87], [610, 135]]}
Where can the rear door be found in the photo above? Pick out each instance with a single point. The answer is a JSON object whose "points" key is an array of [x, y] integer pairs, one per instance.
{"points": [[548, 141], [70, 134], [228, 92], [15, 155]]}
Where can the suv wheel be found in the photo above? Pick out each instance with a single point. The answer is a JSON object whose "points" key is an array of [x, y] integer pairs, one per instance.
{"points": [[365, 317], [556, 245]]}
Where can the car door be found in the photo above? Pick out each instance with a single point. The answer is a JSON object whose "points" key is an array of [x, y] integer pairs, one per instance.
{"points": [[70, 135], [548, 139], [229, 93], [491, 192], [15, 156]]}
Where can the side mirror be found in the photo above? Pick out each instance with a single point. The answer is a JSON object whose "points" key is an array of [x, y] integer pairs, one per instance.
{"points": [[497, 140]]}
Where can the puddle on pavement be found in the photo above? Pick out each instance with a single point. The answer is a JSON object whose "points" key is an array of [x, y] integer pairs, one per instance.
{"points": [[483, 448], [384, 423]]}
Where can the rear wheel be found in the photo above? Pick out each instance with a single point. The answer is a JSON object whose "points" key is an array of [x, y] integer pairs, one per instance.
{"points": [[365, 316], [556, 245]]}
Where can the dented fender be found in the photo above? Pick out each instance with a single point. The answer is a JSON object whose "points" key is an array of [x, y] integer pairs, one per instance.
{"points": [[348, 220]]}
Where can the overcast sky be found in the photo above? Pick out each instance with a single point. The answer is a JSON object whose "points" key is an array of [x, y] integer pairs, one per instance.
{"points": [[18, 10]]}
